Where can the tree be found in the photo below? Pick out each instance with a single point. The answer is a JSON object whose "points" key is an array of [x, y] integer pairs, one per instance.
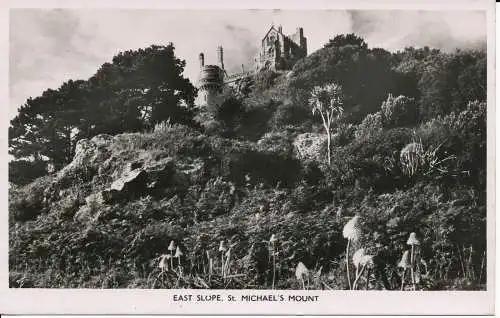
{"points": [[327, 100], [347, 39], [366, 75], [142, 88], [47, 127], [441, 82], [137, 90]]}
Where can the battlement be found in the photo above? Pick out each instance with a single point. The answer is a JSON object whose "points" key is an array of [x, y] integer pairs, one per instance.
{"points": [[211, 75]]}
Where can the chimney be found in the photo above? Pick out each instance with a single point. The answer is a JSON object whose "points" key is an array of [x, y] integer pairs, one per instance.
{"points": [[242, 68], [280, 29], [202, 60], [220, 57]]}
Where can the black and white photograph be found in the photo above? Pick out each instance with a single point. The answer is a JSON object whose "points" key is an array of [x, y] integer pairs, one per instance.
{"points": [[314, 151]]}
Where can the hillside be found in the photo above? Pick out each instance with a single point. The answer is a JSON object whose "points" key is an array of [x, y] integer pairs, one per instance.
{"points": [[247, 184]]}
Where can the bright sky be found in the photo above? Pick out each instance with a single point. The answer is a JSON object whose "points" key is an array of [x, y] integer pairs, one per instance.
{"points": [[48, 47]]}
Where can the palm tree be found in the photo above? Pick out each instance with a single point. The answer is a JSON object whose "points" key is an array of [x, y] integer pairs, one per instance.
{"points": [[327, 100]]}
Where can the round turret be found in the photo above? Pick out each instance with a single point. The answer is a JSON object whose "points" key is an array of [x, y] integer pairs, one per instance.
{"points": [[211, 84], [211, 78]]}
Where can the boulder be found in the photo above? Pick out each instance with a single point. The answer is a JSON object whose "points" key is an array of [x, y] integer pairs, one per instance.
{"points": [[129, 179], [160, 174], [141, 180], [129, 184]]}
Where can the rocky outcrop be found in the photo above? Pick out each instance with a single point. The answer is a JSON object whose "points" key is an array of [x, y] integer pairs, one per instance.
{"points": [[87, 154], [310, 145], [139, 179]]}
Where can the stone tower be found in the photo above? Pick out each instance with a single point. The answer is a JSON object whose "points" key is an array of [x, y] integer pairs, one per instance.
{"points": [[211, 80]]}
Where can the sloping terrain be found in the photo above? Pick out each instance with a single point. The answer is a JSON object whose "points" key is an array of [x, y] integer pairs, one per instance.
{"points": [[242, 196]]}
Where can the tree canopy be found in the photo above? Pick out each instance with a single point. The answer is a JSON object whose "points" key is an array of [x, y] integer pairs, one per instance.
{"points": [[134, 92]]}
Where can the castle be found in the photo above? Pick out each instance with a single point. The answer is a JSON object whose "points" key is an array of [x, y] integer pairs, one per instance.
{"points": [[278, 52]]}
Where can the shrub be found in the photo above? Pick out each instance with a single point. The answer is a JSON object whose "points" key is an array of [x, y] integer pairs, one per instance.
{"points": [[22, 172], [371, 161], [437, 216], [264, 79], [230, 113], [462, 135], [277, 142], [28, 202], [288, 114], [269, 169], [371, 125], [399, 111]]}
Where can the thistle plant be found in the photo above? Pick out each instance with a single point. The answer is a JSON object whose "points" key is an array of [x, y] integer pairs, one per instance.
{"points": [[272, 250], [227, 263], [361, 261], [352, 233], [356, 260], [301, 271], [178, 255], [171, 248], [404, 263], [210, 266], [222, 250], [413, 241], [163, 264]]}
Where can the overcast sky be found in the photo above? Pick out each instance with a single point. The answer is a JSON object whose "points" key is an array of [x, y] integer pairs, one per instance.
{"points": [[48, 47]]}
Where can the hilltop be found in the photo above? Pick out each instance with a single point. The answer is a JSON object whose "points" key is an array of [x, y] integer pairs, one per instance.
{"points": [[408, 155]]}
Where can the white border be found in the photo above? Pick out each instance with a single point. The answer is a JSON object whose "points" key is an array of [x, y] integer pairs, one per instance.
{"points": [[85, 301]]}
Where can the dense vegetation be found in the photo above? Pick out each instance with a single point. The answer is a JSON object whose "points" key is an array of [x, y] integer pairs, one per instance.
{"points": [[116, 174]]}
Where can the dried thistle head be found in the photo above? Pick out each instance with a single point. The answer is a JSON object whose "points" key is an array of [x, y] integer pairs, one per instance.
{"points": [[163, 264], [222, 246], [405, 260], [351, 229], [171, 246], [178, 252], [412, 240], [358, 255], [367, 260], [301, 271]]}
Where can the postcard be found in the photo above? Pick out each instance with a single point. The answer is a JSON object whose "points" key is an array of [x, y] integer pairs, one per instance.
{"points": [[254, 159]]}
